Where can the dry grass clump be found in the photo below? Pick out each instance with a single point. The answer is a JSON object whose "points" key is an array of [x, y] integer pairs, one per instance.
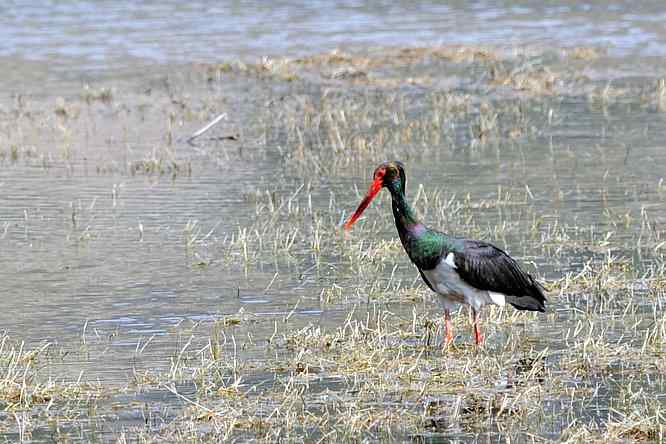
{"points": [[112, 130], [525, 78], [404, 107], [584, 52], [104, 94], [159, 166], [381, 58], [391, 68], [339, 131], [374, 376], [454, 53], [267, 67], [336, 57], [29, 394], [374, 67], [602, 96], [637, 419], [382, 375]]}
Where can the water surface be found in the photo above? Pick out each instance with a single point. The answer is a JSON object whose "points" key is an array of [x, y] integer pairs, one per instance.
{"points": [[100, 254]]}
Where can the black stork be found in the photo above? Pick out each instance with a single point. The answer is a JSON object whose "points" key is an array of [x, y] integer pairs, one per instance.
{"points": [[460, 271]]}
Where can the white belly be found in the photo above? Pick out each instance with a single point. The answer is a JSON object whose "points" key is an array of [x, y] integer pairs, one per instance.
{"points": [[452, 290]]}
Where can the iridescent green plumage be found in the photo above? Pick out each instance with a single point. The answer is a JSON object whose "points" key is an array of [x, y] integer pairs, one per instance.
{"points": [[423, 245]]}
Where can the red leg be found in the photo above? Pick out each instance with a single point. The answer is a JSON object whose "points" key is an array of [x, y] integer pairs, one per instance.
{"points": [[448, 329], [477, 334]]}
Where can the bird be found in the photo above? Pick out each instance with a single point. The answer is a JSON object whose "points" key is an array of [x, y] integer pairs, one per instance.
{"points": [[460, 271]]}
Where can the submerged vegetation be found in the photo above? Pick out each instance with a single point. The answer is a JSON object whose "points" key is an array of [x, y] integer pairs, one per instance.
{"points": [[279, 327]]}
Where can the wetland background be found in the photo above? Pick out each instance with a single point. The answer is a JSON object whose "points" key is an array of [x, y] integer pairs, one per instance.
{"points": [[160, 290]]}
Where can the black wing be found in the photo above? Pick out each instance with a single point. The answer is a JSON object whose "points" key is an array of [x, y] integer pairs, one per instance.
{"points": [[486, 267], [426, 280]]}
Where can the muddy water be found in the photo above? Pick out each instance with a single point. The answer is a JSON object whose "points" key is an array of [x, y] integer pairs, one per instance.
{"points": [[99, 258]]}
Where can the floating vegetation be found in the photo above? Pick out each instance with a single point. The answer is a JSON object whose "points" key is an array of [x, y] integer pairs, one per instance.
{"points": [[103, 94]]}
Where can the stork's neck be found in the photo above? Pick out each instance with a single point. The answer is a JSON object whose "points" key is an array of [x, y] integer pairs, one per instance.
{"points": [[405, 218]]}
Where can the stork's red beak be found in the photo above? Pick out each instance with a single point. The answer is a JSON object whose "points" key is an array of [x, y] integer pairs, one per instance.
{"points": [[372, 192]]}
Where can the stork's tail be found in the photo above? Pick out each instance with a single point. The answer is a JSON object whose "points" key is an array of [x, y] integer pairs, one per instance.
{"points": [[535, 301]]}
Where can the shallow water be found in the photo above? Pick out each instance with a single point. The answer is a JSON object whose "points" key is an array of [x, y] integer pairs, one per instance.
{"points": [[85, 39], [99, 259]]}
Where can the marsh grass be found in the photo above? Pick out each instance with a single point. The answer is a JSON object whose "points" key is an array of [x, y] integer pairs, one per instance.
{"points": [[383, 375], [350, 349], [383, 371], [30, 395]]}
